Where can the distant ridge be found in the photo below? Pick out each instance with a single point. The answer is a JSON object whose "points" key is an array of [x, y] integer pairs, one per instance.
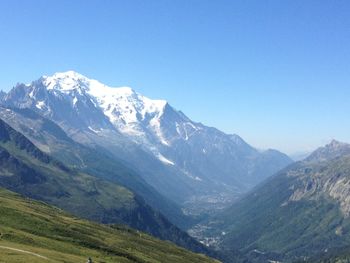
{"points": [[330, 151]]}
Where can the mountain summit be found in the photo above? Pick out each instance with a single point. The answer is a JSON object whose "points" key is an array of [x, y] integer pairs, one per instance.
{"points": [[333, 150], [124, 108], [184, 160]]}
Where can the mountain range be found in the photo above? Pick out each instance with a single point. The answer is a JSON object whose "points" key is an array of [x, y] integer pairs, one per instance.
{"points": [[197, 167]]}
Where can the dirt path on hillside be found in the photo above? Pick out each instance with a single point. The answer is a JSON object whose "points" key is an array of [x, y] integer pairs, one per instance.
{"points": [[24, 251]]}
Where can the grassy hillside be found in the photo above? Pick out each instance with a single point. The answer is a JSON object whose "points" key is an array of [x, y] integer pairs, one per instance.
{"points": [[47, 234]]}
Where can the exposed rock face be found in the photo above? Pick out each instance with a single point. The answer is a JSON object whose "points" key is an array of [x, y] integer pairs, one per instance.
{"points": [[341, 192], [329, 179], [326, 172]]}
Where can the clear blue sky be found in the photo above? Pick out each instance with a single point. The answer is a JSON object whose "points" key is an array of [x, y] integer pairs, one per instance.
{"points": [[275, 72]]}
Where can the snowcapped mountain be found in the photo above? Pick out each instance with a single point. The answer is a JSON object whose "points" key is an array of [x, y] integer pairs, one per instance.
{"points": [[85, 104], [127, 110], [184, 160]]}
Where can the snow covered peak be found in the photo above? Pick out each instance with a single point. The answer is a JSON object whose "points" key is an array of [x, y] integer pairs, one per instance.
{"points": [[67, 81], [62, 78], [125, 108], [70, 74], [70, 80]]}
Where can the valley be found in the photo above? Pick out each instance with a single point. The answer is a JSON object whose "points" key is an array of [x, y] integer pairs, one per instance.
{"points": [[299, 213]]}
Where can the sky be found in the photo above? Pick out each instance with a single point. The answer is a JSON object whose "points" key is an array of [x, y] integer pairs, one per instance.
{"points": [[277, 73]]}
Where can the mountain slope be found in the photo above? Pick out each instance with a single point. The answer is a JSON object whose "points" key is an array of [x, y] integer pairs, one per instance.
{"points": [[27, 170], [35, 232], [51, 139], [301, 212], [183, 160]]}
